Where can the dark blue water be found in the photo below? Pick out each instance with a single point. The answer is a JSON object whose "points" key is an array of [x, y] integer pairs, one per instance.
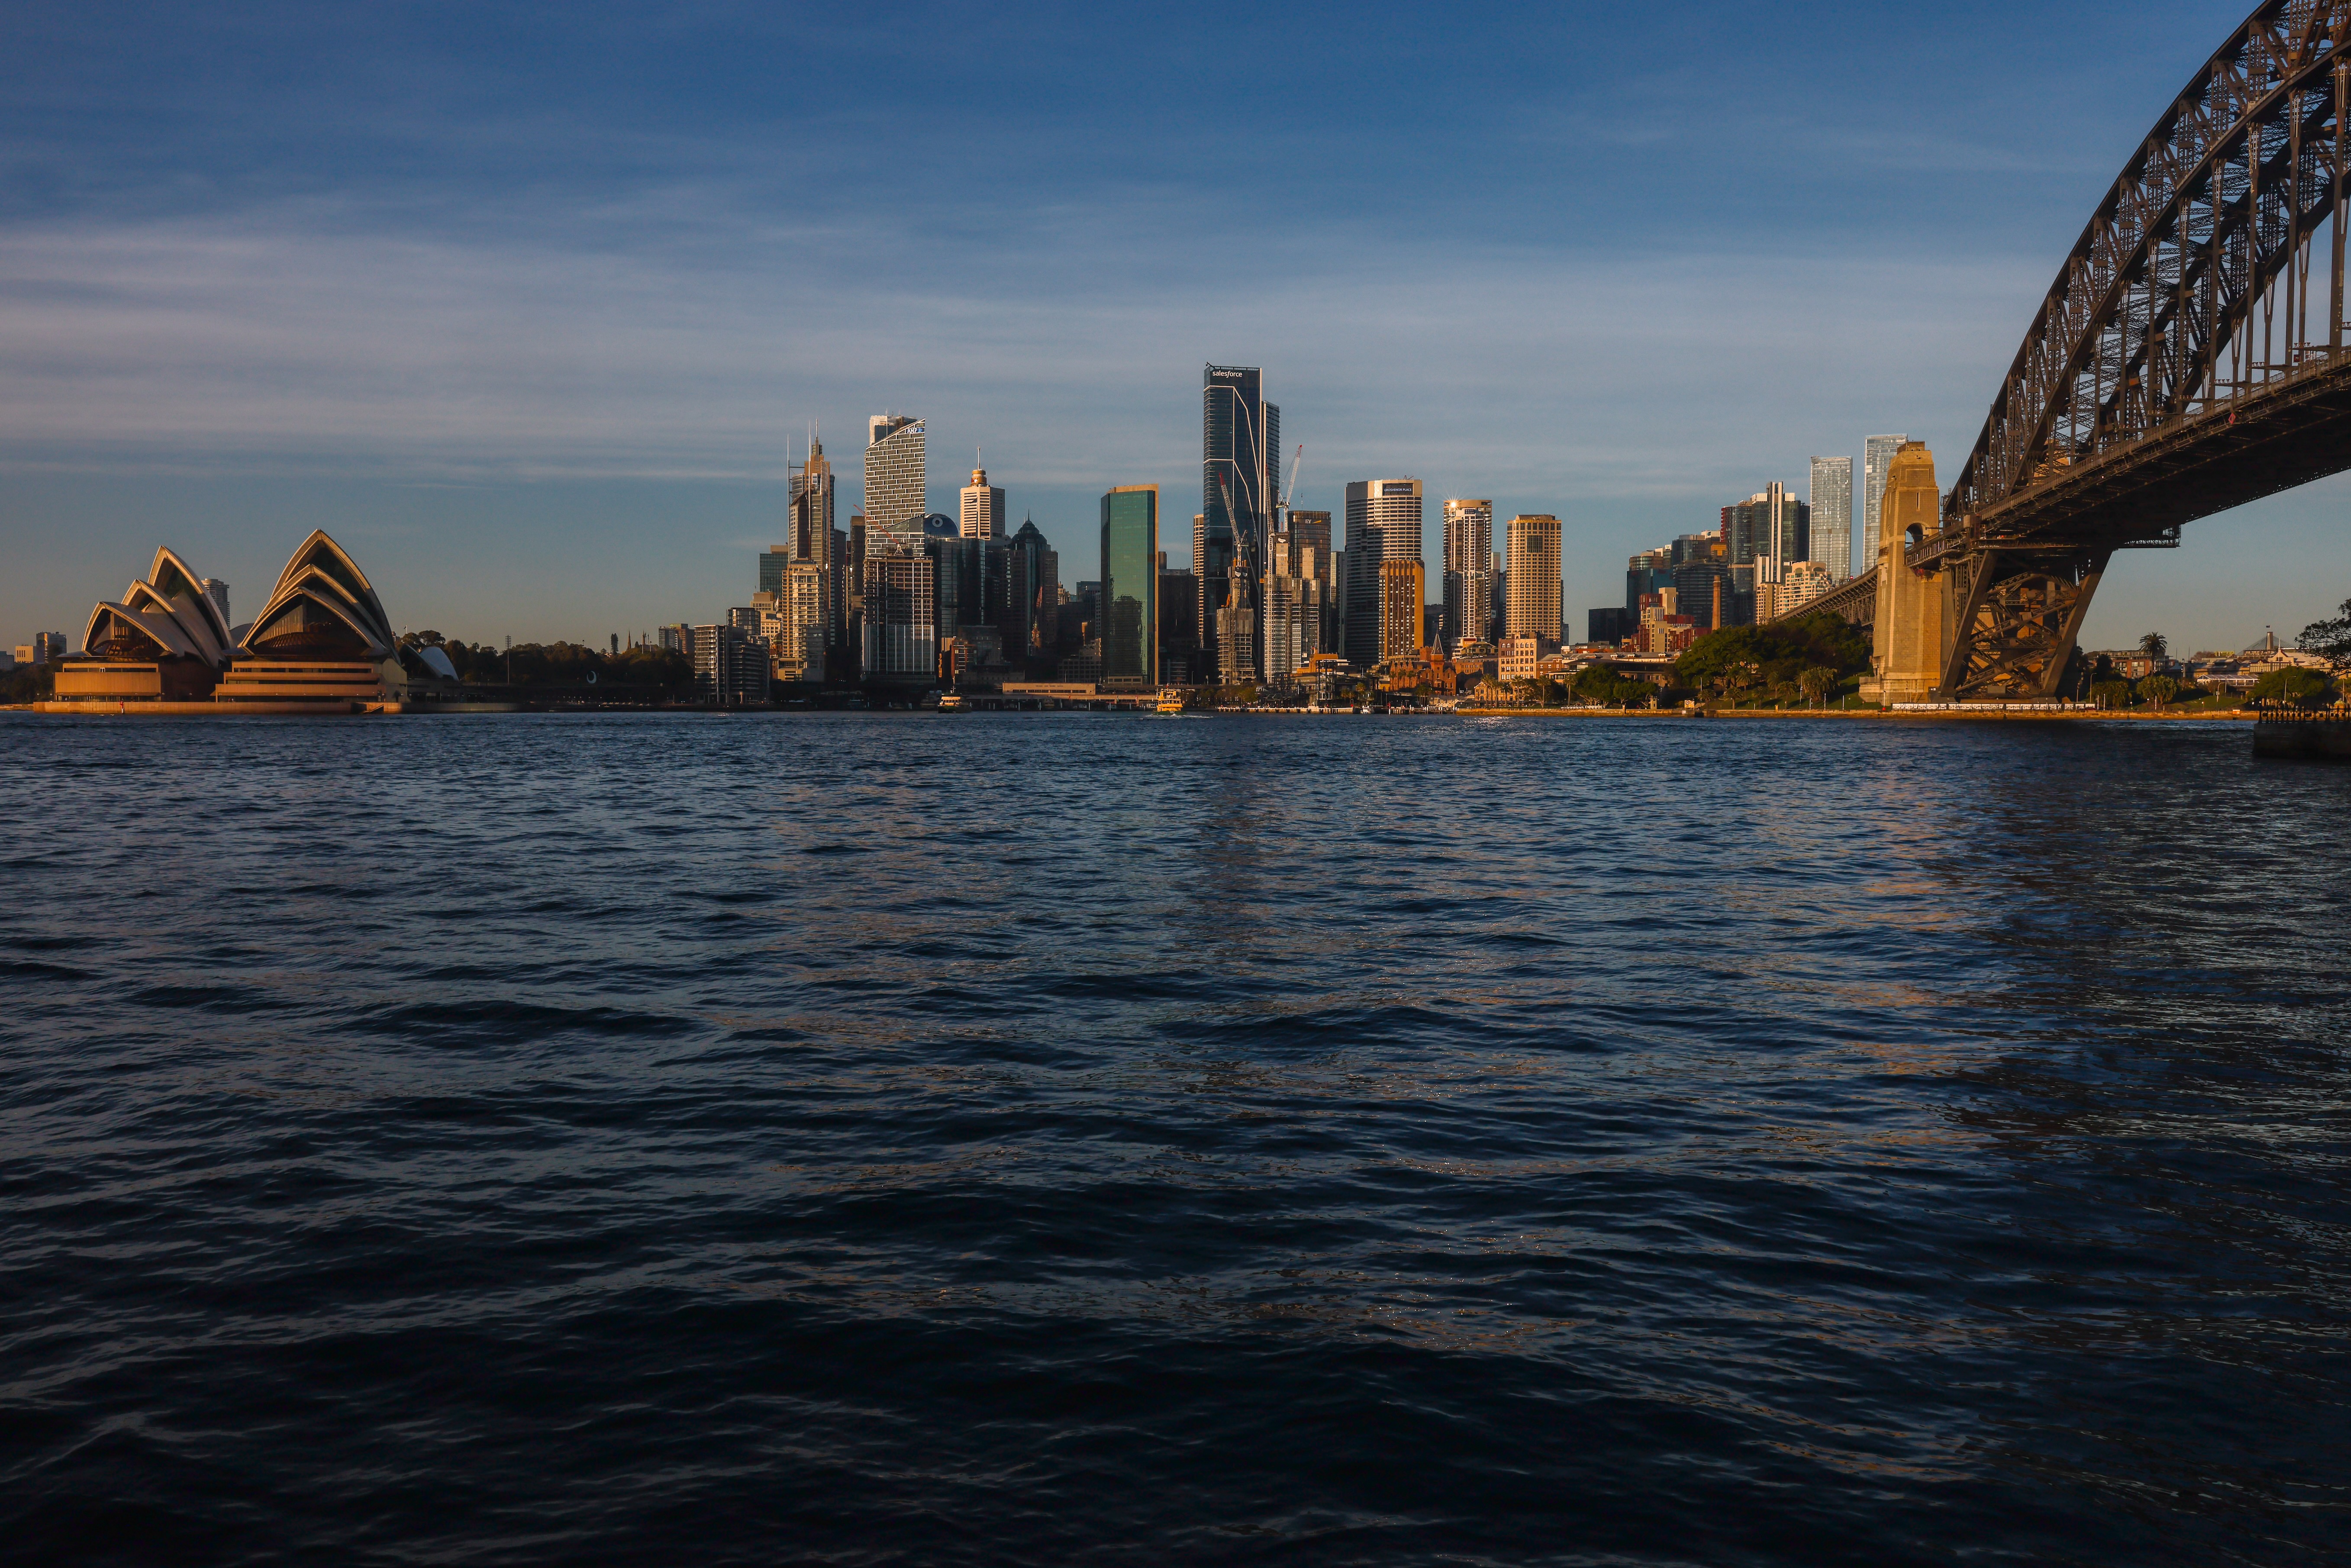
{"points": [[1105, 1139]]}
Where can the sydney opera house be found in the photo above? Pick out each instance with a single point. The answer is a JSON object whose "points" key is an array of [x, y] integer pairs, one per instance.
{"points": [[321, 645]]}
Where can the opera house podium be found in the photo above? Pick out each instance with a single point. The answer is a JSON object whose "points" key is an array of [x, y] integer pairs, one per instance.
{"points": [[321, 645]]}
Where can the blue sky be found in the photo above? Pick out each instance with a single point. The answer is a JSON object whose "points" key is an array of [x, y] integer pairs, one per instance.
{"points": [[527, 305]]}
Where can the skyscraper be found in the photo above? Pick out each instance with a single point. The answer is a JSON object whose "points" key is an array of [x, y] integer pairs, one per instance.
{"points": [[1403, 586], [1129, 586], [1833, 516], [1312, 557], [983, 508], [894, 478], [813, 525], [1536, 588], [1765, 532], [1469, 551], [1241, 480], [1877, 452], [1383, 524], [900, 631]]}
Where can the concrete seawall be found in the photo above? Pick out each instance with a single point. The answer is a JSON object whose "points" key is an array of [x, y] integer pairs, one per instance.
{"points": [[2316, 738]]}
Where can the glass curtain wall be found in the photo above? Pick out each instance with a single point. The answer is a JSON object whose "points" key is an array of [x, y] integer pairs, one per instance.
{"points": [[1130, 585]]}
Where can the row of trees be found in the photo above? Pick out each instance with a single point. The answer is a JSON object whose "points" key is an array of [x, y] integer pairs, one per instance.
{"points": [[559, 664]]}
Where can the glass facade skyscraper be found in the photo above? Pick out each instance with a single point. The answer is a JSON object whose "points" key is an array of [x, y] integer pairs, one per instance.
{"points": [[895, 475], [1241, 480], [1833, 516], [1129, 586], [1876, 453]]}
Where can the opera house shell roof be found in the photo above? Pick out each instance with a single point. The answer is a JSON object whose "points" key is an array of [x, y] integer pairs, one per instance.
{"points": [[322, 642], [167, 616]]}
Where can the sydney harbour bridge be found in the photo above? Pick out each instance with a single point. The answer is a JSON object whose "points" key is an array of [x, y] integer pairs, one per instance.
{"points": [[2189, 358]]}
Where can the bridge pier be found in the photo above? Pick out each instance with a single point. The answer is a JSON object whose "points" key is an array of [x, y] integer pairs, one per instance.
{"points": [[1911, 625]]}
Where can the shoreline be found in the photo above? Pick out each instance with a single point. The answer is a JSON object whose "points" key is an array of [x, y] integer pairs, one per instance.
{"points": [[2230, 716]]}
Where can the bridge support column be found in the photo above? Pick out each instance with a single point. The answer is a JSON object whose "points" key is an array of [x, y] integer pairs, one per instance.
{"points": [[2019, 615], [1914, 610]]}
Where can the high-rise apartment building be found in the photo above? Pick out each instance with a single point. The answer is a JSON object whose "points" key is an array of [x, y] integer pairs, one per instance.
{"points": [[1383, 524], [1241, 480], [1129, 586], [895, 475], [1468, 552], [730, 666], [1403, 587], [1831, 505], [807, 628], [1536, 586], [1876, 453], [983, 508]]}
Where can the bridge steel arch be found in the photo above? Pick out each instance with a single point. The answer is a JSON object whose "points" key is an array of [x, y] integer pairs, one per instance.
{"points": [[2185, 360]]}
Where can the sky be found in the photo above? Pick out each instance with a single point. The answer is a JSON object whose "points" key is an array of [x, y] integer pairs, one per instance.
{"points": [[530, 305]]}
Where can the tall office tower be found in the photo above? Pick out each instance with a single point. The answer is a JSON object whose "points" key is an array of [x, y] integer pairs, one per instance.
{"points": [[813, 525], [983, 508], [1403, 586], [1383, 524], [894, 478], [1179, 627], [1129, 586], [1036, 580], [1536, 586], [840, 657], [772, 563], [1310, 538], [1766, 531], [1698, 583], [1833, 516], [1241, 480], [1468, 547], [900, 632], [1876, 453]]}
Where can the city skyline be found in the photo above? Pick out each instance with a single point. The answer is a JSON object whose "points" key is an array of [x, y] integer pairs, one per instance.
{"points": [[597, 324]]}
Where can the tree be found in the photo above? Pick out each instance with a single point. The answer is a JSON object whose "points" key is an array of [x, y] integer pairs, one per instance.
{"points": [[1787, 692], [2330, 639], [2158, 689], [2111, 694], [1817, 683], [2303, 688], [2153, 645]]}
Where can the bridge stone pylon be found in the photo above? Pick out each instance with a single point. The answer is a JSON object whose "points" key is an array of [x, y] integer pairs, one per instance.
{"points": [[1912, 623]]}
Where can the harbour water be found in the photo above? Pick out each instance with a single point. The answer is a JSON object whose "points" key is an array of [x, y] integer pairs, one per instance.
{"points": [[904, 1138]]}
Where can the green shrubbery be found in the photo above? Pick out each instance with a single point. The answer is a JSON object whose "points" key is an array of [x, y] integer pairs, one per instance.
{"points": [[1801, 659]]}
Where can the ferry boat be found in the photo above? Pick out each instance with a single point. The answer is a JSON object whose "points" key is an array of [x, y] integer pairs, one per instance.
{"points": [[950, 702], [1171, 701]]}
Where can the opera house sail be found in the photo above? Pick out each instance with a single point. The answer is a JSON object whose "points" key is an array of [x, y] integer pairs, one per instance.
{"points": [[321, 639], [167, 639], [322, 643]]}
